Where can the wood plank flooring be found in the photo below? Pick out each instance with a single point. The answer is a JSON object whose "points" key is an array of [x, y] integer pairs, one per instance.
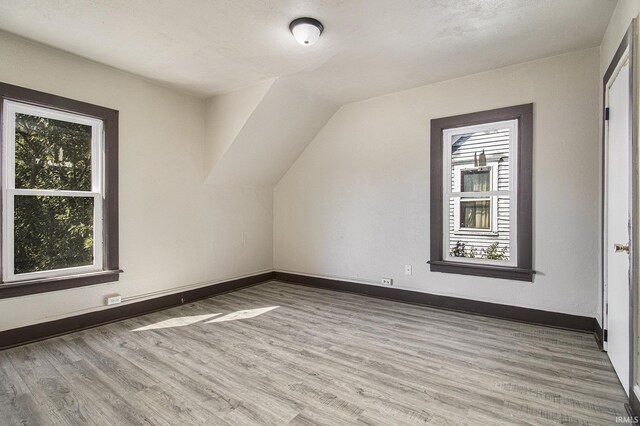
{"points": [[318, 357]]}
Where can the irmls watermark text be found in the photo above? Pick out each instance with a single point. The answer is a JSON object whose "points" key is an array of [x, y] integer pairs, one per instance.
{"points": [[627, 420]]}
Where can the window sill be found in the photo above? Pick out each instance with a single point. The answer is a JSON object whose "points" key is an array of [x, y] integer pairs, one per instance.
{"points": [[491, 271], [43, 285], [479, 233]]}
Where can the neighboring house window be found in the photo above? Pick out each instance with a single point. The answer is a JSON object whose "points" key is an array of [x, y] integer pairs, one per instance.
{"points": [[481, 193], [475, 211], [59, 193]]}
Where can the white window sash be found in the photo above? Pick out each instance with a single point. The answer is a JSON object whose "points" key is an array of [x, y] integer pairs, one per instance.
{"points": [[449, 194], [10, 108]]}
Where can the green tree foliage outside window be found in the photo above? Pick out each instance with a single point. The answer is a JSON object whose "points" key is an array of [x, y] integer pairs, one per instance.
{"points": [[52, 232]]}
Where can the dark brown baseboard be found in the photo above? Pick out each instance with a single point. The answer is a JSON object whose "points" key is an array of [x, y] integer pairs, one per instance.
{"points": [[515, 313], [598, 333], [32, 333]]}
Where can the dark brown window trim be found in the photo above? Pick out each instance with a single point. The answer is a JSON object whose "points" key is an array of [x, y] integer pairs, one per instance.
{"points": [[523, 271], [512, 273], [109, 117], [25, 288]]}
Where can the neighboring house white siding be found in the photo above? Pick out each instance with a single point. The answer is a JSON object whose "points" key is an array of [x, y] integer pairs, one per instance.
{"points": [[465, 154]]}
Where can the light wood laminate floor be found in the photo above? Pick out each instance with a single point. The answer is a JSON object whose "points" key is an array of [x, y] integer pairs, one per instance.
{"points": [[316, 357]]}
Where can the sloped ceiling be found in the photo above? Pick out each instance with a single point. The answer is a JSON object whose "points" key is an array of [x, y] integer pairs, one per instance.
{"points": [[226, 116], [369, 47], [270, 96], [280, 126]]}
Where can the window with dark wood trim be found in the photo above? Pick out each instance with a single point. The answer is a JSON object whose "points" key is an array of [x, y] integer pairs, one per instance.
{"points": [[59, 204], [483, 228]]}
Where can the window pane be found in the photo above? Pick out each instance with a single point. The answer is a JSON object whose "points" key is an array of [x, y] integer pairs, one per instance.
{"points": [[477, 237], [475, 214], [482, 150], [52, 154], [475, 180], [52, 232]]}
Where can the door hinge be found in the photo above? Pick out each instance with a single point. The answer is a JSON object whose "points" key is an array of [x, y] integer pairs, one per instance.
{"points": [[605, 335], [606, 113]]}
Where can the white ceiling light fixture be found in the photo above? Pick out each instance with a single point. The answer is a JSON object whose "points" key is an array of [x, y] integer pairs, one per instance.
{"points": [[306, 30]]}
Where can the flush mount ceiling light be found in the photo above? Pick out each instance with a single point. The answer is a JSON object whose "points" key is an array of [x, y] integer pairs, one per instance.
{"points": [[306, 30]]}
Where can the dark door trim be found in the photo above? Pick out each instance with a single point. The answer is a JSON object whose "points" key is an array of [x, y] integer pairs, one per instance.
{"points": [[628, 42]]}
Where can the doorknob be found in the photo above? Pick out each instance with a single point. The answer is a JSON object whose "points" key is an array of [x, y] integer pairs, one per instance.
{"points": [[621, 247]]}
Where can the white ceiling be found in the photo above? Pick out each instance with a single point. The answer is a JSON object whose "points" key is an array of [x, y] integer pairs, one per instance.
{"points": [[370, 47]]}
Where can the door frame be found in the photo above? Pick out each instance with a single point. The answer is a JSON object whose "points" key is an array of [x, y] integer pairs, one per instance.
{"points": [[628, 43]]}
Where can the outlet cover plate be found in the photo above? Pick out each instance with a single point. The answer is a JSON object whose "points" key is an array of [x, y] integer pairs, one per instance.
{"points": [[114, 300]]}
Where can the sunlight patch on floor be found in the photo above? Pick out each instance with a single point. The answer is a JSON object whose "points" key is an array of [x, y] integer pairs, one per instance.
{"points": [[176, 322], [238, 315], [189, 320]]}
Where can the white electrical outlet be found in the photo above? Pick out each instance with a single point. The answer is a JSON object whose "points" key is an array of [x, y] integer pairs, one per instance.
{"points": [[114, 300], [407, 269], [387, 281]]}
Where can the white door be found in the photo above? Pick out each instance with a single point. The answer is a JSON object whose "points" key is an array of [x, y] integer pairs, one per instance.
{"points": [[617, 223]]}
